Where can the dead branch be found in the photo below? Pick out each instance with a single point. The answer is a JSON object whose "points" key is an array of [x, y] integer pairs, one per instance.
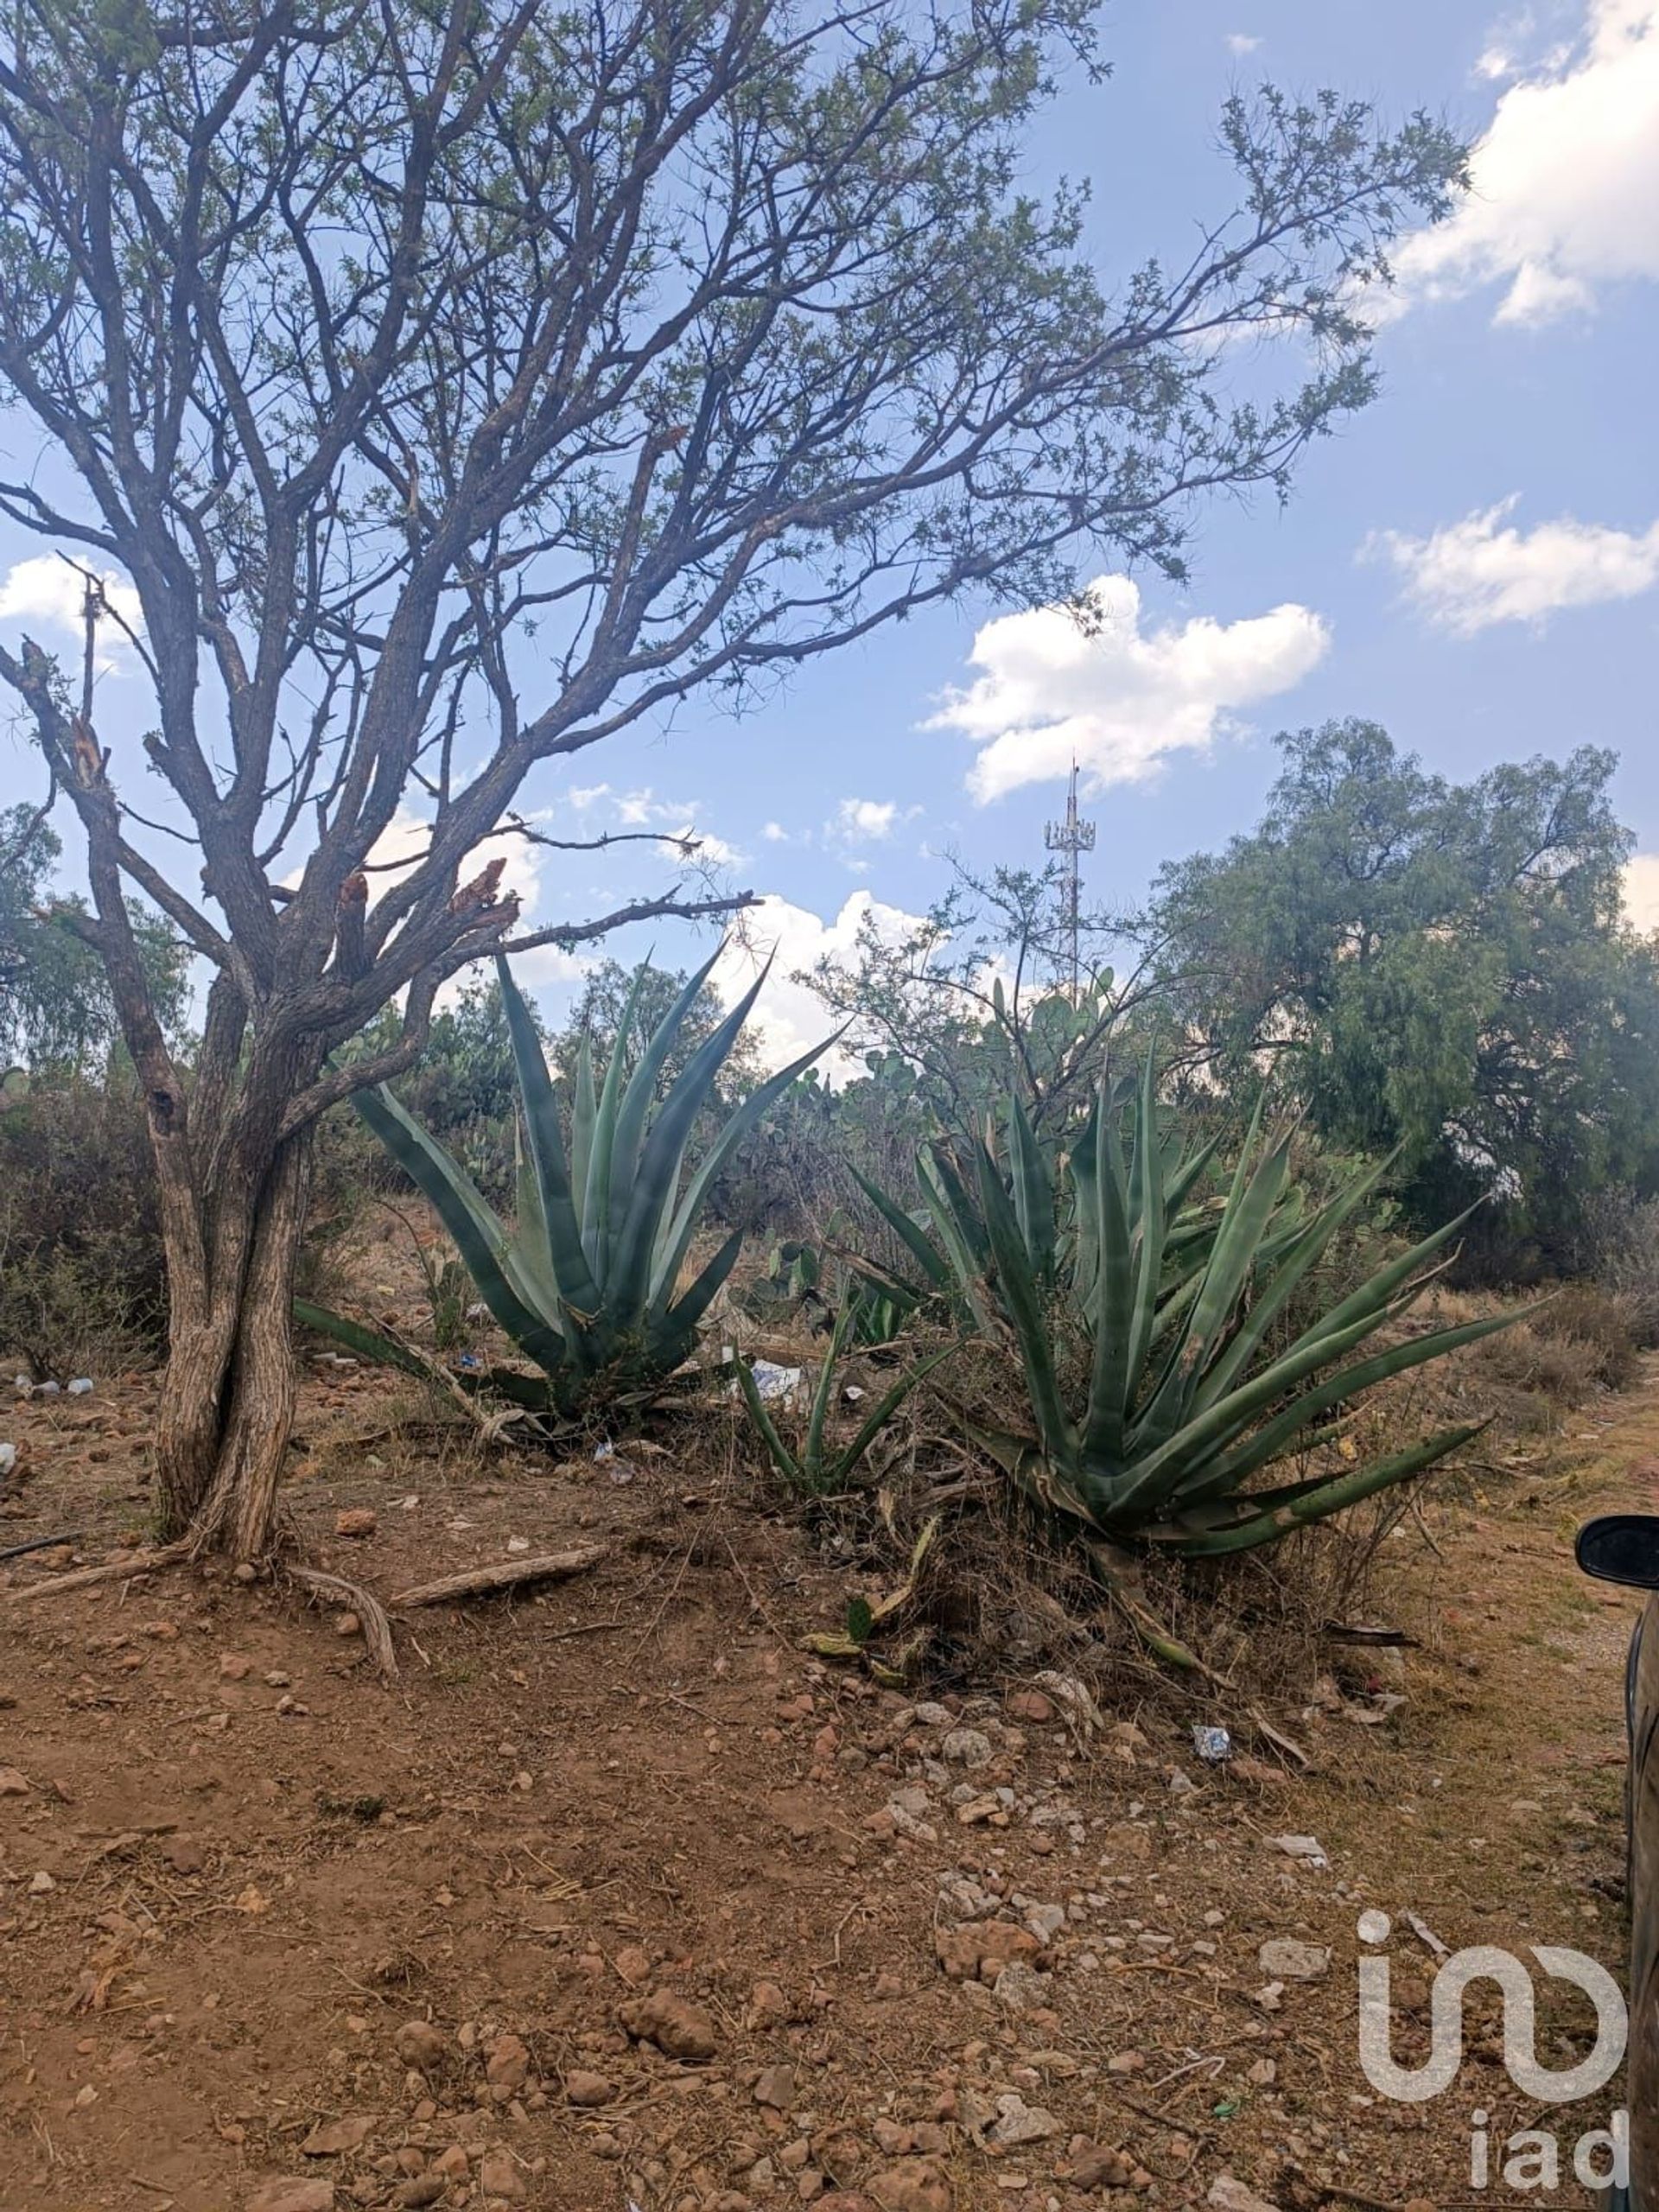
{"points": [[117, 1570], [377, 1629], [479, 1581]]}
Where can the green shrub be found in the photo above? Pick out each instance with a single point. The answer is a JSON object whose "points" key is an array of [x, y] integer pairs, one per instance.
{"points": [[83, 1286], [1143, 1321], [588, 1284]]}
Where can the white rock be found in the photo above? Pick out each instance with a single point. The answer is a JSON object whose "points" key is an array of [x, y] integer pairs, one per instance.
{"points": [[1228, 2193], [967, 1747], [1285, 1959]]}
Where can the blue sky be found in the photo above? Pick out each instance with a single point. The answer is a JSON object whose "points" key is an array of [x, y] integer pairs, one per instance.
{"points": [[1474, 562]]}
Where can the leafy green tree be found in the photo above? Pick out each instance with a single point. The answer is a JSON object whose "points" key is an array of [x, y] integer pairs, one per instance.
{"points": [[598, 1015], [458, 384], [56, 1011], [1436, 966]]}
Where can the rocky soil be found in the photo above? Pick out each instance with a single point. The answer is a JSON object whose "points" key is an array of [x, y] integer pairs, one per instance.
{"points": [[620, 1902]]}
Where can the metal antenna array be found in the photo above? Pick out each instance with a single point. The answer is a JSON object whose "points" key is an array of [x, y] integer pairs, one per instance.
{"points": [[1071, 837]]}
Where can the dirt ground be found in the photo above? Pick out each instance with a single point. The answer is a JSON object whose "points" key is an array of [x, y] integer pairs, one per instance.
{"points": [[276, 1935]]}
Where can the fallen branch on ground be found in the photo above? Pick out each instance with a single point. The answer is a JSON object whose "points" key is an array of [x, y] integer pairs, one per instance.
{"points": [[478, 1581], [40, 1544], [118, 1570], [377, 1629]]}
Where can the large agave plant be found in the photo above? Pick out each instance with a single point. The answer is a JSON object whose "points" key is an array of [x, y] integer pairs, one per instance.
{"points": [[587, 1283], [1188, 1399]]}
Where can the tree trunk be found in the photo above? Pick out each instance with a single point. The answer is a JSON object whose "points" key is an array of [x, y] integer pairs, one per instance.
{"points": [[227, 1397]]}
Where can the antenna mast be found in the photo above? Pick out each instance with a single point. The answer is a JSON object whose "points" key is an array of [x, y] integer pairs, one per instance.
{"points": [[1071, 837]]}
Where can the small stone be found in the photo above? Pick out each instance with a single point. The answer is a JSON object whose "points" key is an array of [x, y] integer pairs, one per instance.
{"points": [[913, 2185], [420, 2045], [335, 2136], [1285, 1959], [588, 2089], [347, 1625], [40, 1884], [967, 1747], [425, 2188], [245, 1572], [1099, 2168], [498, 2175], [184, 1854], [508, 2063], [1262, 2073], [678, 2028], [1031, 1708], [355, 1520], [1228, 2193], [13, 1783], [235, 1666], [776, 2088], [293, 2197], [1019, 2122]]}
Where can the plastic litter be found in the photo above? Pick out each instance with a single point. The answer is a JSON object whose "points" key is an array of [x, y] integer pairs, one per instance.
{"points": [[1306, 1850], [81, 1386], [773, 1383], [46, 1389], [1213, 1745], [469, 1363], [603, 1451], [8, 1458]]}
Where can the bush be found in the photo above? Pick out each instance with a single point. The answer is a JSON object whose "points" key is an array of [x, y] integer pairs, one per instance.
{"points": [[83, 1286]]}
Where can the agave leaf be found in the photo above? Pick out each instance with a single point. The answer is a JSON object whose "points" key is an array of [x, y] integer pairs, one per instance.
{"points": [[1150, 1207], [884, 1411], [1020, 1292], [910, 1232], [812, 1457], [367, 1342], [596, 1191], [584, 1114], [479, 1237], [1109, 1378], [672, 1250], [960, 1232], [1306, 1502], [577, 1287], [641, 1090], [1033, 1190], [1227, 1469], [679, 1323], [782, 1458]]}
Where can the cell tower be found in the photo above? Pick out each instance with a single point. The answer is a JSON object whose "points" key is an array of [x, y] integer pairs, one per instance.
{"points": [[1073, 838]]}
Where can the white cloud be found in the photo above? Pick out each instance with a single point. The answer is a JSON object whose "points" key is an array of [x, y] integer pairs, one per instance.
{"points": [[864, 820], [788, 1018], [45, 589], [1116, 697], [1241, 43], [1474, 573], [1642, 892], [1566, 176], [775, 833]]}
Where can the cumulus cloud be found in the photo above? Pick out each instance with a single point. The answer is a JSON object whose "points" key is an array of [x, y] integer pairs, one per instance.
{"points": [[1116, 696], [46, 590], [1642, 892], [1472, 574], [788, 1018], [1241, 43], [864, 820], [1566, 176]]}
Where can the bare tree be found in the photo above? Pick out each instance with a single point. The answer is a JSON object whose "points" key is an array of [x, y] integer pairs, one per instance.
{"points": [[460, 381]]}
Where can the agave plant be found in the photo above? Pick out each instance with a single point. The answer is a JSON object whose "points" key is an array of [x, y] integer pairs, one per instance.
{"points": [[587, 1283], [817, 1467], [1187, 1399]]}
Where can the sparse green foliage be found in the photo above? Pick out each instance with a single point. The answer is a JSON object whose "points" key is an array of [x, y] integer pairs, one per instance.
{"points": [[1142, 1327], [817, 1467], [588, 1284]]}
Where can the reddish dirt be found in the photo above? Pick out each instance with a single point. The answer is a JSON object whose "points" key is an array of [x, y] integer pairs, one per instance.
{"points": [[240, 1865]]}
